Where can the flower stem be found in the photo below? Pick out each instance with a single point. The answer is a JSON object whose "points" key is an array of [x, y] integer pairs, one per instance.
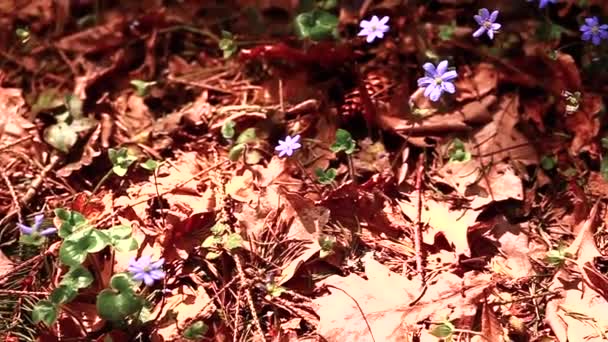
{"points": [[307, 175], [103, 180]]}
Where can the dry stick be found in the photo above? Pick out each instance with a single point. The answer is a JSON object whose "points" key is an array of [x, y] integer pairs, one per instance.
{"points": [[11, 190], [358, 307], [55, 159], [418, 230], [16, 142]]}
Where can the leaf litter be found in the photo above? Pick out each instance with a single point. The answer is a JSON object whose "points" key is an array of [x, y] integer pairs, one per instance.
{"points": [[477, 215]]}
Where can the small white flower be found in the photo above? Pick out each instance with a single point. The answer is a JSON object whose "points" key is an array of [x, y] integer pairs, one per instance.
{"points": [[375, 28]]}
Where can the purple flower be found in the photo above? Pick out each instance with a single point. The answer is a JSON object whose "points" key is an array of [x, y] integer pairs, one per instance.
{"points": [[437, 80], [486, 23], [544, 3], [144, 269], [375, 28], [593, 30], [288, 146], [31, 230]]}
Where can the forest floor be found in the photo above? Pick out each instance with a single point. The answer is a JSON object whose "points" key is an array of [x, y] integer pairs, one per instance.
{"points": [[259, 171]]}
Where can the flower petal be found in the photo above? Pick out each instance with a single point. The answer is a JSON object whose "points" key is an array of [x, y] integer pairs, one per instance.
{"points": [[370, 37], [429, 89], [491, 34], [365, 24], [493, 16], [496, 26], [587, 35], [148, 280], [38, 221], [478, 19], [449, 87], [139, 276], [585, 28], [596, 40], [384, 20], [157, 274], [450, 75], [48, 231], [484, 13], [479, 32], [425, 81], [158, 264], [591, 21], [25, 229], [442, 67], [436, 94], [430, 69]]}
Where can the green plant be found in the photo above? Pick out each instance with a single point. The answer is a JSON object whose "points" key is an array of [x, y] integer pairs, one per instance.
{"points": [[221, 238], [458, 153], [548, 162], [121, 160], [64, 133], [444, 330], [195, 331], [141, 87], [325, 177], [327, 244], [316, 25], [227, 44], [240, 147], [557, 257], [344, 142], [80, 239], [228, 129]]}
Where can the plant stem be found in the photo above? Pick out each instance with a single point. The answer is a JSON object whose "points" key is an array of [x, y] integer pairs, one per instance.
{"points": [[307, 175], [103, 179], [351, 168]]}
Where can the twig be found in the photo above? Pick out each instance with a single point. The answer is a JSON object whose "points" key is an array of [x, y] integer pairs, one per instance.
{"points": [[419, 223], [358, 307], [11, 190], [16, 142]]}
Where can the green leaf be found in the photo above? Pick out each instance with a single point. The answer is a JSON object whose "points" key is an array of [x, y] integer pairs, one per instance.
{"points": [[119, 170], [97, 241], [120, 232], [604, 168], [211, 241], [233, 241], [78, 277], [227, 44], [327, 176], [141, 87], [73, 253], [443, 330], [121, 159], [236, 152], [228, 129], [344, 142], [74, 105], [123, 282], [63, 294], [63, 214], [61, 136], [446, 32], [82, 124], [196, 331], [125, 245], [218, 228], [114, 306], [32, 239], [605, 143], [46, 312], [149, 165], [557, 257], [212, 255], [316, 25], [548, 162], [275, 290], [246, 136], [253, 157]]}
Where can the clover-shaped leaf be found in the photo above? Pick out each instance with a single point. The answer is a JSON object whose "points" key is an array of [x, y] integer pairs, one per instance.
{"points": [[119, 301], [316, 25], [325, 177], [46, 312], [63, 294], [77, 277], [211, 241], [121, 159], [228, 129], [233, 241], [149, 165], [344, 142], [141, 87], [227, 44]]}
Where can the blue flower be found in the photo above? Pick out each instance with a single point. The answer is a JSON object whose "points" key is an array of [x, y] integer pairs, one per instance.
{"points": [[437, 80], [288, 146], [33, 230], [486, 23], [144, 269], [375, 28], [594, 31], [544, 3]]}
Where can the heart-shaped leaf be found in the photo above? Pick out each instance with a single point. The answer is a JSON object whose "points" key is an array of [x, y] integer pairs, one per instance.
{"points": [[78, 277], [61, 136], [115, 306], [97, 241], [73, 253], [316, 25], [120, 232], [62, 294], [45, 311], [125, 245]]}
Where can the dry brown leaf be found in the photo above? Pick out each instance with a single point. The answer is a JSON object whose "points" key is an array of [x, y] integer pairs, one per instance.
{"points": [[184, 303], [240, 187], [389, 316], [490, 325], [90, 150], [6, 265], [13, 126], [440, 217], [477, 83], [135, 116], [98, 38], [514, 260]]}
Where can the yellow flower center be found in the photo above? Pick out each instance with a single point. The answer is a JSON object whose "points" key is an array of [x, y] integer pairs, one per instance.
{"points": [[438, 80], [595, 29], [487, 24]]}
